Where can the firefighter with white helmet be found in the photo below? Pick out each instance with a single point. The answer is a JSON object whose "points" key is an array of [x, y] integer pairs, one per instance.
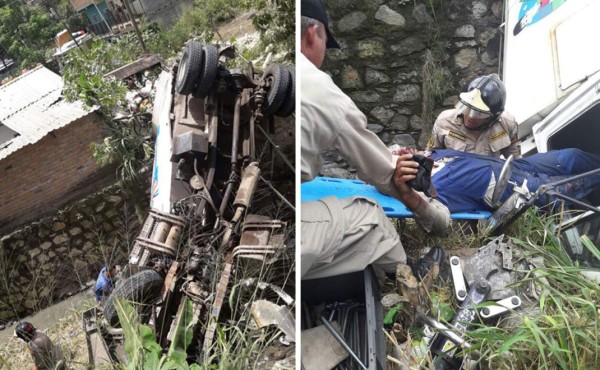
{"points": [[478, 124]]}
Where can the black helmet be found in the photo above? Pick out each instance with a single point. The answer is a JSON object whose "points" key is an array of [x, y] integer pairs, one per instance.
{"points": [[485, 94], [25, 331]]}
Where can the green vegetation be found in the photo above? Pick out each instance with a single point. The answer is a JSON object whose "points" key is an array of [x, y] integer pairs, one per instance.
{"points": [[25, 32], [28, 29], [84, 75], [437, 82], [560, 330], [125, 148], [200, 21], [141, 347], [274, 20]]}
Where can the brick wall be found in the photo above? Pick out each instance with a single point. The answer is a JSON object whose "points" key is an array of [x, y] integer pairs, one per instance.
{"points": [[38, 178]]}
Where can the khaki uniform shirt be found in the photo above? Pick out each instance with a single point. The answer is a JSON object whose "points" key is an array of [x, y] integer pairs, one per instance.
{"points": [[449, 132], [331, 121]]}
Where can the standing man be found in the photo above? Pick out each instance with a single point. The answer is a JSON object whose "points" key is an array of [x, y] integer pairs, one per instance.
{"points": [[479, 123], [105, 282], [46, 356], [345, 235]]}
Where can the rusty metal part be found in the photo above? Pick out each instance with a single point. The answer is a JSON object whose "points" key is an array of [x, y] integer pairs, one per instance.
{"points": [[173, 237], [155, 246], [242, 200], [257, 229], [266, 313], [256, 242], [263, 285], [492, 262], [169, 284], [257, 252], [235, 136], [154, 233], [285, 201], [196, 311], [277, 149], [247, 186], [160, 233], [217, 303]]}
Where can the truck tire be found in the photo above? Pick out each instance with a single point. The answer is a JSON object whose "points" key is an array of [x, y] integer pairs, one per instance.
{"points": [[280, 79], [142, 287], [189, 67], [209, 71], [289, 103]]}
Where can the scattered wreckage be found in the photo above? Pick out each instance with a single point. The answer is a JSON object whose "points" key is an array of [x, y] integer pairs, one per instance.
{"points": [[489, 284], [213, 126], [349, 307]]}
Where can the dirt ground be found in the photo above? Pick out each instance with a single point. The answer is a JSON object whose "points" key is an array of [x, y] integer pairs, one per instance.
{"points": [[238, 26], [62, 323]]}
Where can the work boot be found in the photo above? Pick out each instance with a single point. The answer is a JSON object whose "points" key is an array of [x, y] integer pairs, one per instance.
{"points": [[427, 263]]}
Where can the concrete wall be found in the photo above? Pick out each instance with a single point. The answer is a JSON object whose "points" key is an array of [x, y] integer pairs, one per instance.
{"points": [[41, 177]]}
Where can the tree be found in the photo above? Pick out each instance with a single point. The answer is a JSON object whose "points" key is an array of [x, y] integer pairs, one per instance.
{"points": [[26, 31]]}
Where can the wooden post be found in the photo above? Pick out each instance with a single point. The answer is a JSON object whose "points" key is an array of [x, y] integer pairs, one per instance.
{"points": [[137, 31]]}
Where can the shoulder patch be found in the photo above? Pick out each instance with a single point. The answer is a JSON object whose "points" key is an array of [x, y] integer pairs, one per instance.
{"points": [[457, 135], [498, 136]]}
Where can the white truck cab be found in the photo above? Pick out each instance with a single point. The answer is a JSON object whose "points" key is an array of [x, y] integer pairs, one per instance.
{"points": [[551, 70]]}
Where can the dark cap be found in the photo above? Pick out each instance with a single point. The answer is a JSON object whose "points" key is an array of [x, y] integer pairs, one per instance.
{"points": [[316, 10]]}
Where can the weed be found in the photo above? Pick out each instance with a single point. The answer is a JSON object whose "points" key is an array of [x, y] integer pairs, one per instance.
{"points": [[560, 330], [437, 81]]}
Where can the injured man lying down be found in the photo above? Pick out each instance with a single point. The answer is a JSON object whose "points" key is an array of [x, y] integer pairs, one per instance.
{"points": [[465, 182]]}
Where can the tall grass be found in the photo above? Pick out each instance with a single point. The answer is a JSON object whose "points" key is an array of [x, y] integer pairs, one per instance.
{"points": [[559, 329], [563, 332]]}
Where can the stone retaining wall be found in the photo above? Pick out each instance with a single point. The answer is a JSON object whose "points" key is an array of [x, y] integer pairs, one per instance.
{"points": [[403, 62], [57, 256]]}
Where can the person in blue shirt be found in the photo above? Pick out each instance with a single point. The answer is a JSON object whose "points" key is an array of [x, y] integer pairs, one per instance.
{"points": [[465, 181], [105, 282]]}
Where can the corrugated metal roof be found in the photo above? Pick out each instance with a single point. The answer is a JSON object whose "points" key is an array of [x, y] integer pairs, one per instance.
{"points": [[31, 105], [29, 88]]}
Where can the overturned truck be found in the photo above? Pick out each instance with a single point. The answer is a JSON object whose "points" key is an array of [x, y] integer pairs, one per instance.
{"points": [[214, 128]]}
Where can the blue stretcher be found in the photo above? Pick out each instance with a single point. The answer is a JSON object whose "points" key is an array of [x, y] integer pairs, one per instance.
{"points": [[322, 187]]}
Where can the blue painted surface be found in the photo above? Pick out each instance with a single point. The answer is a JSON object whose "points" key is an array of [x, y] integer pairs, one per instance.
{"points": [[95, 17], [322, 187]]}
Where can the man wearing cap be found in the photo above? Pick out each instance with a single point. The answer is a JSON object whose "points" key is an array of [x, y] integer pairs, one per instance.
{"points": [[345, 235], [479, 123]]}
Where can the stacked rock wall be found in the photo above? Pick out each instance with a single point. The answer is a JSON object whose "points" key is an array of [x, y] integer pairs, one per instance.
{"points": [[56, 256], [403, 62]]}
